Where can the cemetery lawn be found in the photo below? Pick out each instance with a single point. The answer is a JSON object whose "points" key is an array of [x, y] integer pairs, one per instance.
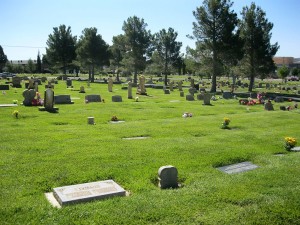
{"points": [[42, 150]]}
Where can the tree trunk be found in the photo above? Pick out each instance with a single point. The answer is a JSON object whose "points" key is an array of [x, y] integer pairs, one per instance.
{"points": [[252, 73], [93, 74]]}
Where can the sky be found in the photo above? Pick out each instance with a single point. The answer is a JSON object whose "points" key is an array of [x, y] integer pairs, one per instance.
{"points": [[26, 25]]}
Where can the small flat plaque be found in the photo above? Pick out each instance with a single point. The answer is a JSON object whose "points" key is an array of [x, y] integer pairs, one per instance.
{"points": [[87, 192], [135, 138], [238, 168], [296, 149]]}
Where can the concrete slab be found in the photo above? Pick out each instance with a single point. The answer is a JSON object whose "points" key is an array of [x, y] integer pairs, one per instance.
{"points": [[296, 149], [8, 105], [135, 138], [238, 168], [87, 192]]}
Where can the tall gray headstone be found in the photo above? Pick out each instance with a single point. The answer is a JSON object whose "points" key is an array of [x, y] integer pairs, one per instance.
{"points": [[110, 84], [180, 85], [206, 99], [129, 90], [49, 99]]}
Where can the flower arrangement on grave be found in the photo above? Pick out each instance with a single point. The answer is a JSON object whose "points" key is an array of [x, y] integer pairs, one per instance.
{"points": [[225, 124], [187, 114], [16, 114], [38, 100], [251, 101], [15, 101], [260, 99], [137, 99], [114, 118], [290, 143]]}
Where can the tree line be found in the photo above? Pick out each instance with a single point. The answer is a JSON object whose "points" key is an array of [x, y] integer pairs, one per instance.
{"points": [[224, 45]]}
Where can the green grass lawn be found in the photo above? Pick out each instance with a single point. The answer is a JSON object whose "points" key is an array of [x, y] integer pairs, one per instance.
{"points": [[42, 150]]}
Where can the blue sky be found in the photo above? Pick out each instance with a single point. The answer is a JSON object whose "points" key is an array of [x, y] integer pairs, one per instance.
{"points": [[28, 23]]}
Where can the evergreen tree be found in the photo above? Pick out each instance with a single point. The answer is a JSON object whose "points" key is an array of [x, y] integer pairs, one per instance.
{"points": [[138, 42], [38, 63], [92, 50], [168, 49], [3, 59], [255, 31], [61, 47], [214, 33]]}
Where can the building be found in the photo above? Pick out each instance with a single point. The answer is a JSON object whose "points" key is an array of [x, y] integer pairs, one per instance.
{"points": [[289, 62]]}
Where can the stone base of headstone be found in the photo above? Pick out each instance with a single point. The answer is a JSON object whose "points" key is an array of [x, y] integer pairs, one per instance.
{"points": [[91, 120], [269, 106], [167, 91], [87, 192]]}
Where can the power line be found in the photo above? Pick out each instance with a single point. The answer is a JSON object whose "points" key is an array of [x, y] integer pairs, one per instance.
{"points": [[20, 46]]}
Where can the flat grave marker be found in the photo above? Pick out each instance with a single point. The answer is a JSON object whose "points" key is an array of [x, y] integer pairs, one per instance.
{"points": [[238, 168], [87, 192], [296, 149]]}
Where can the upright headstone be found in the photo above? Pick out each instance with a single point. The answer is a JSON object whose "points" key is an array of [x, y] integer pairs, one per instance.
{"points": [[63, 99], [31, 84], [142, 85], [28, 95], [168, 177], [49, 99], [192, 83], [167, 91], [227, 95], [129, 90], [171, 86], [110, 84], [116, 98], [189, 97], [16, 82], [81, 89], [269, 106], [192, 91], [69, 83], [181, 94], [36, 86], [92, 98], [180, 85], [206, 99]]}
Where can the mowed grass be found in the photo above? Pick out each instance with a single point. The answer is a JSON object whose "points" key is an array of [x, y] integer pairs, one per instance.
{"points": [[42, 150]]}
